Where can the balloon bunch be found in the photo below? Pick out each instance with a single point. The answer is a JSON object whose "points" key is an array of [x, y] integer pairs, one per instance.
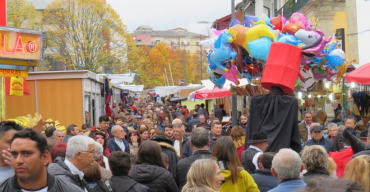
{"points": [[243, 48]]}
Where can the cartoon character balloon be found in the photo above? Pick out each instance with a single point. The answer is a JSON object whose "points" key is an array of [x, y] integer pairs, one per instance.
{"points": [[217, 79]]}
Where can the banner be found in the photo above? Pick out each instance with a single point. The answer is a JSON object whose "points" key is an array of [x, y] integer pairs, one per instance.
{"points": [[15, 85]]}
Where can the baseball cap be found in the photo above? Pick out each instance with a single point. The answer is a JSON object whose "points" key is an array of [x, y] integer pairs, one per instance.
{"points": [[316, 128], [139, 117]]}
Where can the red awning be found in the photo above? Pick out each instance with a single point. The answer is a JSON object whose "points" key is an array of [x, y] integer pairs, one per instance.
{"points": [[152, 93], [360, 75], [217, 93]]}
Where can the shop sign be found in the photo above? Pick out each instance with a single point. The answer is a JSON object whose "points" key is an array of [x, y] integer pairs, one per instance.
{"points": [[13, 73], [20, 44]]}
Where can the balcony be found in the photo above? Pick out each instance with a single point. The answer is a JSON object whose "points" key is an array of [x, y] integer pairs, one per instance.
{"points": [[291, 7]]}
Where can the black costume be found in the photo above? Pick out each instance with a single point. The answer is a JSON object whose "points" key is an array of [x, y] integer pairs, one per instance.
{"points": [[276, 114]]}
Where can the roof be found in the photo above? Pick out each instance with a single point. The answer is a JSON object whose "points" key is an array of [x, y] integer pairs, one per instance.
{"points": [[177, 32], [224, 22], [240, 6]]}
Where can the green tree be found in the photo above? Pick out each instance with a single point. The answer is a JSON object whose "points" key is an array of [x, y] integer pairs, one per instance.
{"points": [[86, 34], [22, 14]]}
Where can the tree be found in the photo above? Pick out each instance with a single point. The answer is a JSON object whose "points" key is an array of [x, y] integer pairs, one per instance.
{"points": [[86, 34], [22, 14], [150, 64]]}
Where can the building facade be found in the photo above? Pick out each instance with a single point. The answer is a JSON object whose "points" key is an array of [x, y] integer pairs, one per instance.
{"points": [[178, 37]]}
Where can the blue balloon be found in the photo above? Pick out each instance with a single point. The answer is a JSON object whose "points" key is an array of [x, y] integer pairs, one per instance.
{"points": [[219, 82], [260, 48], [248, 18]]}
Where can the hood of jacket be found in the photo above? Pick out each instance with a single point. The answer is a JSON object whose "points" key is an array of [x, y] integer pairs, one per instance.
{"points": [[144, 173], [166, 145]]}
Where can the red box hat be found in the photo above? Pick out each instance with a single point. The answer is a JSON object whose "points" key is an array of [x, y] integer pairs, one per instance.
{"points": [[282, 67]]}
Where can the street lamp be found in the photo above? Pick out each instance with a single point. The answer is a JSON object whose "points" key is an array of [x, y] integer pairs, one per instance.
{"points": [[44, 46], [184, 51]]}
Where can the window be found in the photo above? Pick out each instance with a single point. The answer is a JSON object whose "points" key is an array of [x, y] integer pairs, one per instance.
{"points": [[157, 41], [139, 41]]}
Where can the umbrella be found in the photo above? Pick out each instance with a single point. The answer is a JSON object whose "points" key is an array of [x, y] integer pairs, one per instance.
{"points": [[209, 94], [359, 75]]}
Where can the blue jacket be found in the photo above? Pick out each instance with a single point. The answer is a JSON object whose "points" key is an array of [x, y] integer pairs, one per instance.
{"points": [[325, 142], [289, 186], [264, 180], [112, 146], [191, 123]]}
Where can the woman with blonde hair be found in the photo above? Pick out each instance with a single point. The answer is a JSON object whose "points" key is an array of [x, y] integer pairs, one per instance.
{"points": [[332, 167], [236, 178], [238, 136], [204, 176], [358, 169]]}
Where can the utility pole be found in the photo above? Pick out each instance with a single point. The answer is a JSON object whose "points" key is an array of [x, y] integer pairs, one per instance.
{"points": [[233, 98]]}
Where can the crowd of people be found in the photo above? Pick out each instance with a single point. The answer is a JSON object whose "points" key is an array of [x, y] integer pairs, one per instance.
{"points": [[154, 147]]}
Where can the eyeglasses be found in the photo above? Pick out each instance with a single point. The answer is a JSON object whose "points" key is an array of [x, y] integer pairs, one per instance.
{"points": [[92, 152]]}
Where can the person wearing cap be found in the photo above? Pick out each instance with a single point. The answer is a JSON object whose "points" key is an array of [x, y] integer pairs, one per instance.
{"points": [[249, 157], [138, 119], [319, 139]]}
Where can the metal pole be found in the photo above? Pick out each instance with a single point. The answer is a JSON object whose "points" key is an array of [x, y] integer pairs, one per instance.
{"points": [[232, 10], [233, 98], [185, 63], [201, 58], [166, 75], [171, 74]]}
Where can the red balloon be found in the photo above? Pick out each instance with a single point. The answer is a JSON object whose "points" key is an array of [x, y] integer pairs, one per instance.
{"points": [[276, 21], [292, 28]]}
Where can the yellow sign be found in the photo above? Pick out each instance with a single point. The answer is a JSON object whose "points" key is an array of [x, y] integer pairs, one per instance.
{"points": [[13, 73], [20, 44]]}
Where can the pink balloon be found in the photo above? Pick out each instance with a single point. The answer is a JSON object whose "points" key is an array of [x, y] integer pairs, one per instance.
{"points": [[299, 19]]}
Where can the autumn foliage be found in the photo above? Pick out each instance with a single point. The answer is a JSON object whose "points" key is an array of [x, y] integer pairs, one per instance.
{"points": [[150, 64]]}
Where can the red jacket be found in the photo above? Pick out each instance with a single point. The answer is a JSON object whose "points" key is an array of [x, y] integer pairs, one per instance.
{"points": [[341, 159]]}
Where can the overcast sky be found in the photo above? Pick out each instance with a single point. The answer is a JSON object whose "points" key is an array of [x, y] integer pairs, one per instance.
{"points": [[169, 14]]}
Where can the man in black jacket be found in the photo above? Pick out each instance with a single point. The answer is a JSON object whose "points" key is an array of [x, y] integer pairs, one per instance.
{"points": [[200, 143], [29, 158], [120, 164], [263, 176], [258, 145]]}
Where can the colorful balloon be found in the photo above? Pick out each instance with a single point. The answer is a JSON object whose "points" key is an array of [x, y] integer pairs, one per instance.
{"points": [[220, 54], [299, 19], [217, 79], [260, 48]]}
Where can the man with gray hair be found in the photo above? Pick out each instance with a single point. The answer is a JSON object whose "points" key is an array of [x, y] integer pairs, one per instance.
{"points": [[80, 154], [58, 135], [118, 142], [180, 141], [147, 122], [286, 166], [332, 131], [200, 143], [105, 172], [176, 122]]}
